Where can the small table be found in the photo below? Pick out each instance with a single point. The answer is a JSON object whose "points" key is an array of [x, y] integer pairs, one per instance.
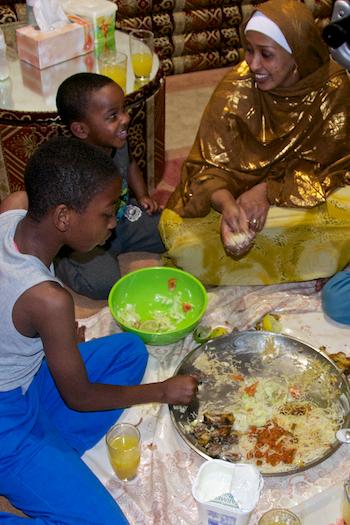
{"points": [[28, 114]]}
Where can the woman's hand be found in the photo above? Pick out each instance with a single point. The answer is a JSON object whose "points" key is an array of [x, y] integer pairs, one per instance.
{"points": [[255, 205], [233, 215], [236, 244], [236, 236]]}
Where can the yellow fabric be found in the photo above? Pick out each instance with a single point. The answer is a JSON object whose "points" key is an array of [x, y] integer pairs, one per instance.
{"points": [[296, 245]]}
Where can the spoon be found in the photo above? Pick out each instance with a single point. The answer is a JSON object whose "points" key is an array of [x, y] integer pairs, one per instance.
{"points": [[343, 435]]}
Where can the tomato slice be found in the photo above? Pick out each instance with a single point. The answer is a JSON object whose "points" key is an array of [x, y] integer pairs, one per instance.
{"points": [[171, 284], [187, 307], [237, 377], [251, 389]]}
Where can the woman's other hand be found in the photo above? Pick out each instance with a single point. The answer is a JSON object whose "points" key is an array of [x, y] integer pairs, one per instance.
{"points": [[236, 236], [255, 205], [236, 244]]}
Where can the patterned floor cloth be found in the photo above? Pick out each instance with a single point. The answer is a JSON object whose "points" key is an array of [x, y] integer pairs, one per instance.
{"points": [[161, 493]]}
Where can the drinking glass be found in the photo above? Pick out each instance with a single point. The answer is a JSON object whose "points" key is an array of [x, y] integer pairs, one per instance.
{"points": [[346, 503], [124, 450], [279, 517], [141, 52], [113, 64]]}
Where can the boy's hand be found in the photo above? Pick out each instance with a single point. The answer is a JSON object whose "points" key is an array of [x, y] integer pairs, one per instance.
{"points": [[80, 333], [150, 205], [180, 390]]}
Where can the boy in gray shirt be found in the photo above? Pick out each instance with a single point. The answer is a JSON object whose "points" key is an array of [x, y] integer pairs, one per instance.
{"points": [[57, 397]]}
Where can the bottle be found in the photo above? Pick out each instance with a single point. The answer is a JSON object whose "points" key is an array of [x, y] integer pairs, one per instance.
{"points": [[30, 14], [4, 68]]}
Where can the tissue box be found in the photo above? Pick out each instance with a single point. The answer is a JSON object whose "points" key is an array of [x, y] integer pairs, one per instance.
{"points": [[45, 82], [101, 14], [47, 48]]}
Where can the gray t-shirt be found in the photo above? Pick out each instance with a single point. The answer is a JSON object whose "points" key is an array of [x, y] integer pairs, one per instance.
{"points": [[20, 356]]}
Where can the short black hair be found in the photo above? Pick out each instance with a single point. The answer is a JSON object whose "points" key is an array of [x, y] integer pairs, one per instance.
{"points": [[66, 170], [73, 95]]}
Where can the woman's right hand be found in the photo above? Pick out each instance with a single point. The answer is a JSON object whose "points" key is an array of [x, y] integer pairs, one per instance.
{"points": [[233, 215], [236, 236]]}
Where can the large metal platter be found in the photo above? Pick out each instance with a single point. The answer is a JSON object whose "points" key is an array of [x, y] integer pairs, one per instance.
{"points": [[258, 353]]}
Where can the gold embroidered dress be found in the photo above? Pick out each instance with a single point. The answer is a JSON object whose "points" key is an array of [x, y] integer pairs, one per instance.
{"points": [[297, 140]]}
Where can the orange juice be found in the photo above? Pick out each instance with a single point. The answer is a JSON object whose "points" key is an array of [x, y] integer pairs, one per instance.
{"points": [[116, 73], [124, 455], [346, 503], [142, 64]]}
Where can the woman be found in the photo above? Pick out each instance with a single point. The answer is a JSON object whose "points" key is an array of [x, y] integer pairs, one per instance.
{"points": [[274, 134]]}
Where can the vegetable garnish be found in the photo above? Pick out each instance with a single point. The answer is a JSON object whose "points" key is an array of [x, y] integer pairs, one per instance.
{"points": [[237, 377], [187, 307], [251, 389], [166, 315], [294, 391], [171, 284]]}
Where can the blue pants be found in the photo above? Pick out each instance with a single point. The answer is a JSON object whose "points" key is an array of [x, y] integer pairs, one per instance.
{"points": [[336, 297], [41, 441]]}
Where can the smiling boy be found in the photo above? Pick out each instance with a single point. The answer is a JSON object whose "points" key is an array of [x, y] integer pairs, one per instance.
{"points": [[57, 397], [92, 107]]}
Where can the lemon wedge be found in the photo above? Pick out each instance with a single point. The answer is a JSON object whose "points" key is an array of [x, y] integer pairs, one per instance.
{"points": [[202, 334], [271, 323]]}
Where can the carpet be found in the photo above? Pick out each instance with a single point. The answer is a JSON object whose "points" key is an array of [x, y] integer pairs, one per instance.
{"points": [[189, 92]]}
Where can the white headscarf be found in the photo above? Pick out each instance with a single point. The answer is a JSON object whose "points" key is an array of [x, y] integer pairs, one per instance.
{"points": [[262, 24]]}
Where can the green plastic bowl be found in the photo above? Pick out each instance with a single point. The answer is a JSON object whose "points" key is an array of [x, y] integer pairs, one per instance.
{"points": [[157, 289]]}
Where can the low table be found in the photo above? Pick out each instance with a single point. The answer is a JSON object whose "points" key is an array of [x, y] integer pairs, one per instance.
{"points": [[28, 114]]}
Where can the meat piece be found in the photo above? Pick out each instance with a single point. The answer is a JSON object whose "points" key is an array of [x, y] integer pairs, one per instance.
{"points": [[203, 438], [214, 450], [218, 419]]}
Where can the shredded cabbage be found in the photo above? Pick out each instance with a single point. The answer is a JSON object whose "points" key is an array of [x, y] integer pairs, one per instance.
{"points": [[158, 321]]}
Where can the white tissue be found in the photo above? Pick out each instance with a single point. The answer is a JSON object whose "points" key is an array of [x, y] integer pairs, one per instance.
{"points": [[49, 14]]}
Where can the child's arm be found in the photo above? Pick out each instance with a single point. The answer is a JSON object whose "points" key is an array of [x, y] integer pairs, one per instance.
{"points": [[138, 186], [15, 201], [50, 311]]}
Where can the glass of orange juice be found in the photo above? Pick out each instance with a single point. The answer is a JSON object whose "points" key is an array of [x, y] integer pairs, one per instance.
{"points": [[113, 64], [279, 517], [124, 450], [346, 503], [141, 52]]}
